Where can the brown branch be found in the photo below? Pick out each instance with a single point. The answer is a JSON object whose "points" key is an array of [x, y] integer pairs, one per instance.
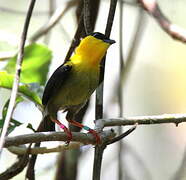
{"points": [[56, 136], [17, 74], [173, 30], [88, 138]]}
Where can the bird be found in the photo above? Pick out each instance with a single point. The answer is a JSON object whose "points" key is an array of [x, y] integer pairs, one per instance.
{"points": [[72, 83]]}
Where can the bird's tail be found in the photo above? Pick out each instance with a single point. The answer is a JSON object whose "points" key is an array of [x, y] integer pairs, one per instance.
{"points": [[45, 125]]}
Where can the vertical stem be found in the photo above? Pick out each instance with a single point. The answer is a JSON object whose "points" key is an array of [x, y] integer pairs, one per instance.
{"points": [[120, 89], [99, 91], [17, 74], [98, 154]]}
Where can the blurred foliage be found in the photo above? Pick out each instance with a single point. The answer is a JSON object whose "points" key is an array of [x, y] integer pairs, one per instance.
{"points": [[6, 81], [34, 73], [35, 65]]}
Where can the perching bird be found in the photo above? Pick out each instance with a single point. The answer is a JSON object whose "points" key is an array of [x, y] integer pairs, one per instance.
{"points": [[72, 83]]}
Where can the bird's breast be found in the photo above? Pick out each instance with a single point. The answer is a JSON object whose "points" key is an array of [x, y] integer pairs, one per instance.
{"points": [[79, 86]]}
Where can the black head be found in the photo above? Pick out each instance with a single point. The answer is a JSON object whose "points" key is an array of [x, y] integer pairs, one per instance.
{"points": [[102, 37]]}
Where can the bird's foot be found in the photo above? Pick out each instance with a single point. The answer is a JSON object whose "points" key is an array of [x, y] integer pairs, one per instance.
{"points": [[96, 135], [91, 131], [67, 132]]}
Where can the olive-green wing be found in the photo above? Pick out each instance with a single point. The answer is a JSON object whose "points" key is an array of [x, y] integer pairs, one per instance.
{"points": [[55, 82]]}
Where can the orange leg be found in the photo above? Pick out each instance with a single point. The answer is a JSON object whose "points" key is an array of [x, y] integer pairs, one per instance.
{"points": [[66, 130], [93, 132]]}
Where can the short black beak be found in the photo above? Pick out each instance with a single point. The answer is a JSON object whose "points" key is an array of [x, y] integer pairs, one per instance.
{"points": [[109, 41]]}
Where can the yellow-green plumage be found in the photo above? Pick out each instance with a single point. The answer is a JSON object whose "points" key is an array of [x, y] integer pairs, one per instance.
{"points": [[79, 87]]}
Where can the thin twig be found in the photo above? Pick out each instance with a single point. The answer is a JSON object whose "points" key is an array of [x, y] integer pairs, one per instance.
{"points": [[144, 120], [17, 74], [58, 14], [6, 55], [118, 138], [18, 12], [173, 30]]}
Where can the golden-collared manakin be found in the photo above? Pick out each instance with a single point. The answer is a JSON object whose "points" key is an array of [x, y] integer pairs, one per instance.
{"points": [[72, 83]]}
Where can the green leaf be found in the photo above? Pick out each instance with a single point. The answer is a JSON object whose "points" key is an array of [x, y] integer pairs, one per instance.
{"points": [[13, 123], [35, 65], [6, 81]]}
